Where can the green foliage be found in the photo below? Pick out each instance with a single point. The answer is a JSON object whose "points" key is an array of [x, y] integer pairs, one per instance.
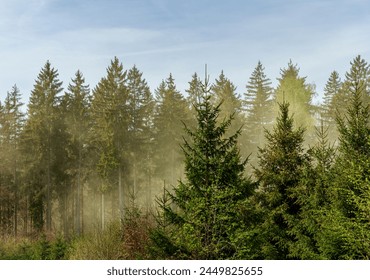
{"points": [[230, 104], [40, 249], [201, 219], [99, 245], [258, 103], [281, 165], [44, 133], [294, 89], [85, 155], [332, 92], [170, 114]]}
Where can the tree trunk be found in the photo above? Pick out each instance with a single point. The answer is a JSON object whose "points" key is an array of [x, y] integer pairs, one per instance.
{"points": [[102, 211], [78, 206], [120, 192]]}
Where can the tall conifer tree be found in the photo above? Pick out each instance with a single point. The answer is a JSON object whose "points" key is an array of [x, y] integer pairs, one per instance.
{"points": [[258, 103], [206, 202], [281, 167], [109, 133], [298, 93], [353, 167], [140, 132], [171, 113], [11, 125], [78, 123], [42, 133]]}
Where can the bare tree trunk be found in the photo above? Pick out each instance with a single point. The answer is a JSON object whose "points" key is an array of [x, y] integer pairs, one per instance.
{"points": [[78, 206], [120, 192], [48, 192], [102, 211], [15, 197], [65, 209], [82, 210]]}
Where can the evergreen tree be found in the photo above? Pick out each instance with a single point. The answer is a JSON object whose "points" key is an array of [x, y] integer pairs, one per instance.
{"points": [[140, 132], [224, 93], [43, 135], [258, 101], [352, 180], [171, 113], [109, 133], [281, 167], [194, 92], [195, 96], [293, 89], [202, 219], [331, 94], [78, 122], [359, 73], [11, 125], [317, 218]]}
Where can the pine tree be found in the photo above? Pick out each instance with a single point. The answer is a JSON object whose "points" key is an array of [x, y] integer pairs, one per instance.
{"points": [[202, 218], [258, 103], [281, 167], [42, 134]]}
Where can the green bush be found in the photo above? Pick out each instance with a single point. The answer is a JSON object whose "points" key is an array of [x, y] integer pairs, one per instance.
{"points": [[98, 245], [39, 249]]}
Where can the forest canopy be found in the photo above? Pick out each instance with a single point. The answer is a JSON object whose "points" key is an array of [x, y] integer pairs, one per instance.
{"points": [[212, 173]]}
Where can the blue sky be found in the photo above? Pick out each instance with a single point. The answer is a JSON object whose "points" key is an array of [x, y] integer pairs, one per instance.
{"points": [[179, 37]]}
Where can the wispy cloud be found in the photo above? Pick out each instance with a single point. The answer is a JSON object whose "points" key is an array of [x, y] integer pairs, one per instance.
{"points": [[164, 36]]}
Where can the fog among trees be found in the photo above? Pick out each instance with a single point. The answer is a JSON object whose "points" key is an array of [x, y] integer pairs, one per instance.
{"points": [[121, 171]]}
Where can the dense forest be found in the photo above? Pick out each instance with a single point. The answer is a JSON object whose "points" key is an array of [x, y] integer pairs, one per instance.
{"points": [[121, 172]]}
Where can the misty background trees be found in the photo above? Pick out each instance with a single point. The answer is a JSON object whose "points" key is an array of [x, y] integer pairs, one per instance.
{"points": [[258, 172]]}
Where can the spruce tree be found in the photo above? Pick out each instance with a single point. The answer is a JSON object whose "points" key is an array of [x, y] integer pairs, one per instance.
{"points": [[331, 93], [170, 114], [224, 93], [258, 104], [11, 125], [78, 122], [317, 218], [194, 97], [109, 134], [43, 135], [281, 167], [140, 105], [352, 180], [294, 89], [203, 214]]}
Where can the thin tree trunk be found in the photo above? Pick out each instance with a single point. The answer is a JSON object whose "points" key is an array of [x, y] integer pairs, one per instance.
{"points": [[82, 210], [48, 194], [120, 192], [15, 196], [78, 206], [65, 230], [102, 211]]}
